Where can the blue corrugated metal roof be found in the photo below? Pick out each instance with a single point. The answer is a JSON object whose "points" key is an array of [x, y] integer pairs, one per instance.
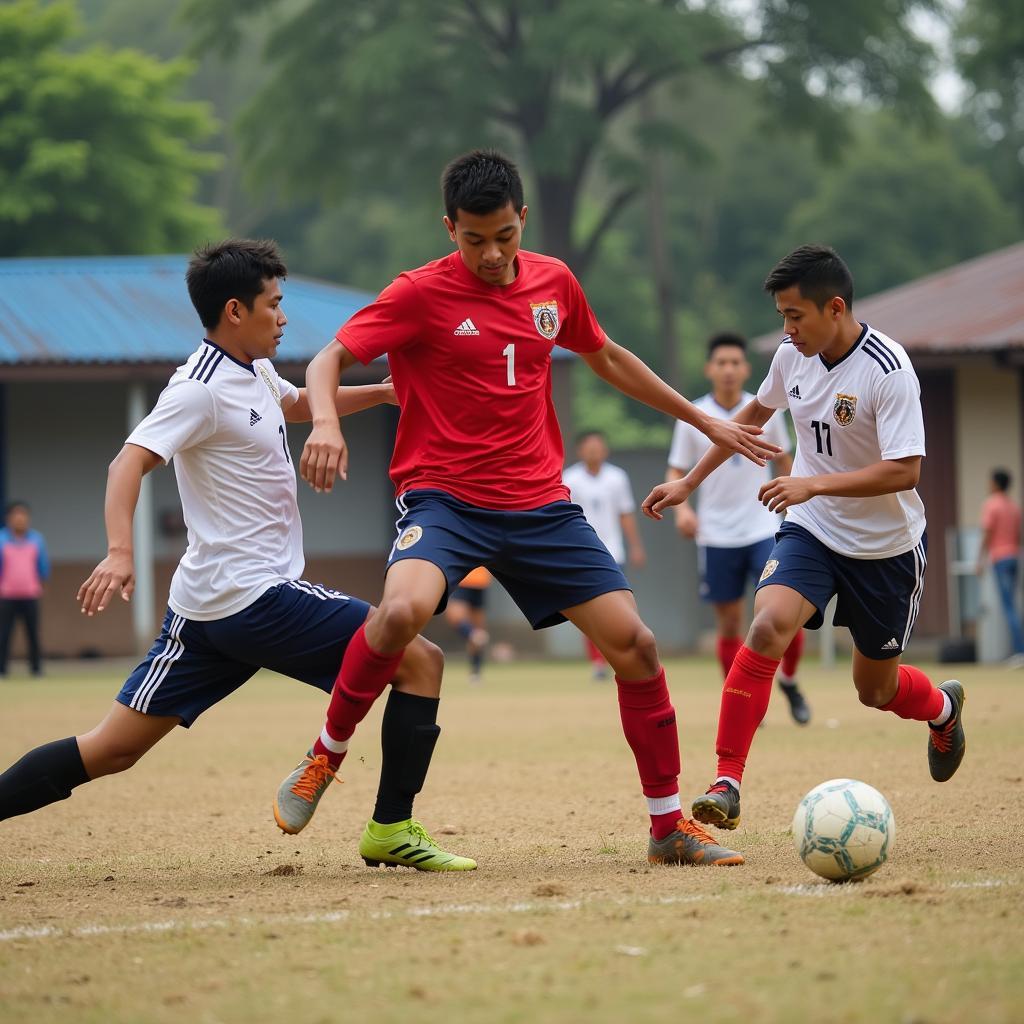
{"points": [[135, 309]]}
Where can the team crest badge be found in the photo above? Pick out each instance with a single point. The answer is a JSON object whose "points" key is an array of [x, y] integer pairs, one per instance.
{"points": [[545, 318], [409, 537], [271, 383], [769, 567], [845, 409]]}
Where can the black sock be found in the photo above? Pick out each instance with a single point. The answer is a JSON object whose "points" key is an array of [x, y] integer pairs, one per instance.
{"points": [[407, 737], [476, 660], [43, 776]]}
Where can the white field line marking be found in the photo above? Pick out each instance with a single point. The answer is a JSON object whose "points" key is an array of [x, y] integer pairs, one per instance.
{"points": [[333, 917], [819, 890]]}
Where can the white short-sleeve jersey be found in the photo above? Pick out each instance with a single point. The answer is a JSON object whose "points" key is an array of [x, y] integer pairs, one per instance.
{"points": [[605, 498], [848, 415], [222, 423], [728, 512]]}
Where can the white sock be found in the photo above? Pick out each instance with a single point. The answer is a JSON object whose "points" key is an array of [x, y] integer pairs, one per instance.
{"points": [[333, 745], [947, 710], [732, 782], [664, 804]]}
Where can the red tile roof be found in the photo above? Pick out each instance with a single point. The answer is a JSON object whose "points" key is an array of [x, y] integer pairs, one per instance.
{"points": [[977, 306]]}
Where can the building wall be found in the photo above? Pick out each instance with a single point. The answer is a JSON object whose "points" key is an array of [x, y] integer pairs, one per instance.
{"points": [[988, 433]]}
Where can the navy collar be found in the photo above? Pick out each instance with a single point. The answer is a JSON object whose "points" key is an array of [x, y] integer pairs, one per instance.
{"points": [[245, 366], [853, 348]]}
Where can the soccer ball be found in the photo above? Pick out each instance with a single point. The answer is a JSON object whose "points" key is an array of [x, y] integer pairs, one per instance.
{"points": [[844, 830]]}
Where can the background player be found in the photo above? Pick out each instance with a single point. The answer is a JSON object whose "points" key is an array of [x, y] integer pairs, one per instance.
{"points": [[605, 494], [734, 531], [467, 613], [478, 467], [854, 523], [236, 603]]}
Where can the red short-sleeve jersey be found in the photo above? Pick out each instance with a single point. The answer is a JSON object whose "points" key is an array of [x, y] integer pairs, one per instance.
{"points": [[471, 364]]}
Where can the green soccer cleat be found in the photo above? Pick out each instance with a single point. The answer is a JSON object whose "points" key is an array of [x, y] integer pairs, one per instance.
{"points": [[406, 844], [947, 743], [299, 794], [690, 844], [719, 806]]}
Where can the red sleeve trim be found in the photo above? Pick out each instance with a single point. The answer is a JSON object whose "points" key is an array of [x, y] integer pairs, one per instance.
{"points": [[346, 339]]}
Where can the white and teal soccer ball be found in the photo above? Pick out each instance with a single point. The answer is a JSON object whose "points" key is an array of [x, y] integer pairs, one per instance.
{"points": [[844, 830]]}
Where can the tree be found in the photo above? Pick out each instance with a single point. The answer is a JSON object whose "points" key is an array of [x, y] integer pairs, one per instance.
{"points": [[384, 91], [989, 43], [96, 154]]}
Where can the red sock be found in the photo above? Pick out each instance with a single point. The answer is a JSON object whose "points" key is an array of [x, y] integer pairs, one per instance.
{"points": [[916, 696], [791, 659], [728, 648], [649, 724], [363, 676], [594, 652], [745, 696]]}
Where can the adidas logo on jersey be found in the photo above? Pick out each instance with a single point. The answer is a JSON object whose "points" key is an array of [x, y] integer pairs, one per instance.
{"points": [[892, 645], [254, 417], [794, 391], [466, 327]]}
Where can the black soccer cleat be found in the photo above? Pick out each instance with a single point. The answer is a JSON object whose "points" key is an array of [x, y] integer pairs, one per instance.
{"points": [[947, 743], [798, 706]]}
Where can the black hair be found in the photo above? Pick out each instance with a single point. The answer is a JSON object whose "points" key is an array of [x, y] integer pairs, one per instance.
{"points": [[819, 273], [234, 269], [481, 182], [583, 435], [1001, 478], [724, 338], [12, 505]]}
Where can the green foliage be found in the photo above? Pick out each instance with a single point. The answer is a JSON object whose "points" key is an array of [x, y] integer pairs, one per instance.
{"points": [[95, 153], [556, 81]]}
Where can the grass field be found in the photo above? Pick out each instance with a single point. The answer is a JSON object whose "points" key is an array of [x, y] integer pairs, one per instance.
{"points": [[167, 894]]}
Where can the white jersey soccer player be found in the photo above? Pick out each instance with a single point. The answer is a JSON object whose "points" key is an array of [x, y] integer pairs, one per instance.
{"points": [[605, 497], [222, 423], [730, 514], [236, 603], [733, 530], [864, 409], [855, 525]]}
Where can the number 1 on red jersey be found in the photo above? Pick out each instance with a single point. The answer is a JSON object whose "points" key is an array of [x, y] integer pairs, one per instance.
{"points": [[509, 352]]}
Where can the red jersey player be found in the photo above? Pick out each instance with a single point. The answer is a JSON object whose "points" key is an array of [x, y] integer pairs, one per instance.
{"points": [[478, 469]]}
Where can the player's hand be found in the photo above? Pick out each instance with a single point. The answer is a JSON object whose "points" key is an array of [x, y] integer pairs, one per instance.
{"points": [[785, 491], [638, 557], [743, 438], [665, 495], [116, 572], [686, 522], [324, 457]]}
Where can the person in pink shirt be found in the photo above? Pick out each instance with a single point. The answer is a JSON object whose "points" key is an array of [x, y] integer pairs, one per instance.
{"points": [[24, 568], [1000, 548]]}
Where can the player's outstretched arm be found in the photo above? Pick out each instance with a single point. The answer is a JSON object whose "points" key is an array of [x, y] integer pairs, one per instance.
{"points": [[633, 377], [117, 571], [886, 477], [348, 400], [675, 492], [325, 455]]}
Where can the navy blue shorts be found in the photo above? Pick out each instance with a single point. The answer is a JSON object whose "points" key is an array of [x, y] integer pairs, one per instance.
{"points": [[877, 598], [475, 597], [547, 558], [725, 572], [299, 629]]}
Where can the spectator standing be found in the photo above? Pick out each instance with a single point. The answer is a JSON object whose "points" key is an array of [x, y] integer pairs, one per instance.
{"points": [[24, 568], [1000, 548]]}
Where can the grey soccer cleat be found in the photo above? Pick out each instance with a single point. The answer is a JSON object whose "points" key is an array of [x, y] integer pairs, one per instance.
{"points": [[299, 794], [719, 806], [947, 743], [798, 706], [690, 844]]}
